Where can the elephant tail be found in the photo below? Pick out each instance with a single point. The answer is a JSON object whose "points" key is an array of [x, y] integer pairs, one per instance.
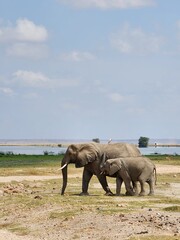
{"points": [[155, 174]]}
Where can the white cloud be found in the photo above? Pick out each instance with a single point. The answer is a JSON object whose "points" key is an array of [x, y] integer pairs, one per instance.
{"points": [[116, 97], [25, 30], [135, 40], [6, 91], [28, 78], [77, 56], [109, 4], [28, 50], [37, 79]]}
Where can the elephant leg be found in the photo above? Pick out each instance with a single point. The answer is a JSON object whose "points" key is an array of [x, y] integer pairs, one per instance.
{"points": [[142, 183], [129, 188], [85, 182], [135, 188], [151, 185], [127, 181], [118, 185], [123, 173], [104, 184]]}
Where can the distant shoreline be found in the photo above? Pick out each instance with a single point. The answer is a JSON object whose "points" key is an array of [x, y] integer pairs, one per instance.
{"points": [[35, 144], [163, 145], [67, 144]]}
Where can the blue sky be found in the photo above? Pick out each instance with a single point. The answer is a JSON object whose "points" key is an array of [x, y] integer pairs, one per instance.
{"points": [[80, 69]]}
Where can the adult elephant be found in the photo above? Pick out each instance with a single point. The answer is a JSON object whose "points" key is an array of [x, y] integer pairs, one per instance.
{"points": [[89, 156]]}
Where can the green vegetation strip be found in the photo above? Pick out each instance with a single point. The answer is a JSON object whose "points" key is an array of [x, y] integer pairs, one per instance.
{"points": [[15, 161]]}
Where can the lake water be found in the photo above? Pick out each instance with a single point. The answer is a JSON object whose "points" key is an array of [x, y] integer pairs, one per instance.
{"points": [[40, 150], [160, 150], [32, 150]]}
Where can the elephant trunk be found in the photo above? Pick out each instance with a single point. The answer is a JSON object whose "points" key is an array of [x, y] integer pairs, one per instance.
{"points": [[64, 173], [64, 166]]}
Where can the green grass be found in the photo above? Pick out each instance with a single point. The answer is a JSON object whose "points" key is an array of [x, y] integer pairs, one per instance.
{"points": [[165, 159], [24, 161], [45, 164], [168, 178], [29, 164], [173, 208], [65, 215], [18, 229]]}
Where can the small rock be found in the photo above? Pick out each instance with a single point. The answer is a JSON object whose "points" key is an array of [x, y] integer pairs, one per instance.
{"points": [[119, 205], [38, 197], [143, 232], [7, 191], [16, 190]]}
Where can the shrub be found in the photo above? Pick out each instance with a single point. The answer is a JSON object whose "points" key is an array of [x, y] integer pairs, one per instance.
{"points": [[96, 140], [143, 142]]}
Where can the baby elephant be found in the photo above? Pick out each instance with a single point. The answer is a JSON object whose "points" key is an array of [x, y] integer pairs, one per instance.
{"points": [[131, 169]]}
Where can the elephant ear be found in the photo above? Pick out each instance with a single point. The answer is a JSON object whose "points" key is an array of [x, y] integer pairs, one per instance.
{"points": [[114, 165], [72, 149], [88, 153], [72, 152]]}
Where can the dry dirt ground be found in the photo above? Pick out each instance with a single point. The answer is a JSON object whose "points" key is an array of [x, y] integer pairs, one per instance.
{"points": [[92, 223]]}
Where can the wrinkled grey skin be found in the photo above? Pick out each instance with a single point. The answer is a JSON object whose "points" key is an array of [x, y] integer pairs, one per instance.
{"points": [[89, 156], [131, 169]]}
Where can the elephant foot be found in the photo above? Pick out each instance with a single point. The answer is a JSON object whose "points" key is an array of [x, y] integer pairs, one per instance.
{"points": [[109, 194], [142, 194], [84, 194], [118, 194], [130, 193], [151, 194]]}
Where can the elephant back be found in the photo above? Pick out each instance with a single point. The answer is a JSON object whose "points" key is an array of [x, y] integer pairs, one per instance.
{"points": [[121, 150]]}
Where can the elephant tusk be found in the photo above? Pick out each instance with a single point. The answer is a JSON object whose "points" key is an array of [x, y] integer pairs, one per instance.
{"points": [[101, 173], [63, 166]]}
